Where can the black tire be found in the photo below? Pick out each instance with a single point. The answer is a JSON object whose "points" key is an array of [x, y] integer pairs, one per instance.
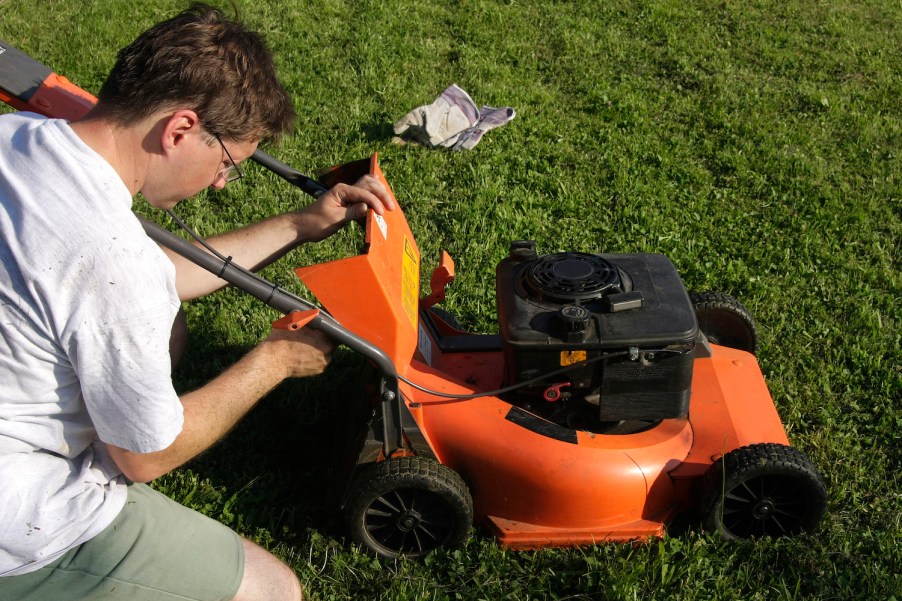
{"points": [[725, 321], [408, 507], [763, 489]]}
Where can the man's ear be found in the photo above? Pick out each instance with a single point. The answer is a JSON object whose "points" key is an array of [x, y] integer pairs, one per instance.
{"points": [[178, 127]]}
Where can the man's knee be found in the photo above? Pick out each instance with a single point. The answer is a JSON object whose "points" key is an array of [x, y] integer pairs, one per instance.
{"points": [[266, 577]]}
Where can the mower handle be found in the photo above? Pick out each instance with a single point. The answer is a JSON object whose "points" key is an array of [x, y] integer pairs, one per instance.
{"points": [[289, 174]]}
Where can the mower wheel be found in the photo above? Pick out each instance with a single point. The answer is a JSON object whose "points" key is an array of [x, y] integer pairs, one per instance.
{"points": [[407, 507], [763, 489], [725, 321]]}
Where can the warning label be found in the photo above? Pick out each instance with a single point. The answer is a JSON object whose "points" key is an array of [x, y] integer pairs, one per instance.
{"points": [[410, 282], [571, 357]]}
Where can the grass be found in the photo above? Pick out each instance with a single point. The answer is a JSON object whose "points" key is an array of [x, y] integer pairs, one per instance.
{"points": [[755, 143]]}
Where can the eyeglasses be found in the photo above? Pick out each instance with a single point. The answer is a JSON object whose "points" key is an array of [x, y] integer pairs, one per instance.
{"points": [[230, 172]]}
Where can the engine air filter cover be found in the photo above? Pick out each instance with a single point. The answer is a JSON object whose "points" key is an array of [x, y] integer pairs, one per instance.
{"points": [[570, 276]]}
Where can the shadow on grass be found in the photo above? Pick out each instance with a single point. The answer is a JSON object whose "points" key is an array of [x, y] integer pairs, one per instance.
{"points": [[285, 465], [378, 131]]}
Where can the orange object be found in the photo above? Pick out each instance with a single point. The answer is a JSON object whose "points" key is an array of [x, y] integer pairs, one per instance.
{"points": [[295, 320], [27, 85], [57, 97], [441, 277], [382, 284]]}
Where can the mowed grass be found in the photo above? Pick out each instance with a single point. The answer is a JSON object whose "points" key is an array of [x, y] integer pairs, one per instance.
{"points": [[757, 144]]}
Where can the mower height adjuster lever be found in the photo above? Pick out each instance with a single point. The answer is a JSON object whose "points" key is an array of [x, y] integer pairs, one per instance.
{"points": [[553, 393], [295, 320]]}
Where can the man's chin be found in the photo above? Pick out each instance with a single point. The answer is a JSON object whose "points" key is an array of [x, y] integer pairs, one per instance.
{"points": [[164, 204]]}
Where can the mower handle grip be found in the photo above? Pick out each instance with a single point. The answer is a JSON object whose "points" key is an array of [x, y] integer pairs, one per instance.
{"points": [[289, 174]]}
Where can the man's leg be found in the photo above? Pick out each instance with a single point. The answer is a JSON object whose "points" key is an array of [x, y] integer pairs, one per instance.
{"points": [[266, 578], [158, 550]]}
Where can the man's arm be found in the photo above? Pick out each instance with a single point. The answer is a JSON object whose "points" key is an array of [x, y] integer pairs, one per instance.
{"points": [[212, 410], [257, 245]]}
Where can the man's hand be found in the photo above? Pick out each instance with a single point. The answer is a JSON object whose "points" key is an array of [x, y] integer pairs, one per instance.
{"points": [[344, 203], [301, 353]]}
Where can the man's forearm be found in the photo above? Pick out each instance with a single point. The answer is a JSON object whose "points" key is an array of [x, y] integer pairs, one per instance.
{"points": [[252, 247], [256, 246]]}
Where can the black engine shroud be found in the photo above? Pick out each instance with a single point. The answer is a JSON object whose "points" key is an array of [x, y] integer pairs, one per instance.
{"points": [[628, 315]]}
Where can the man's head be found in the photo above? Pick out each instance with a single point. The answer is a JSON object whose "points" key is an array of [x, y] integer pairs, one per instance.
{"points": [[200, 60]]}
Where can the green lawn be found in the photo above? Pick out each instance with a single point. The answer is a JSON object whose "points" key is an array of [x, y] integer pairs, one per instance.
{"points": [[757, 144]]}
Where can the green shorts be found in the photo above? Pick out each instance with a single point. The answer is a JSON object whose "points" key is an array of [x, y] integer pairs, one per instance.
{"points": [[155, 550]]}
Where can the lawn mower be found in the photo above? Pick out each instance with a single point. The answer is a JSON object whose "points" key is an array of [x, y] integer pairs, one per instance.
{"points": [[610, 401]]}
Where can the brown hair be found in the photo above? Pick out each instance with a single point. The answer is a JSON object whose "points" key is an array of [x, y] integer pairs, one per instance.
{"points": [[201, 60]]}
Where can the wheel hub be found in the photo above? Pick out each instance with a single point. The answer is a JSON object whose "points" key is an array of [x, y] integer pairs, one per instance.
{"points": [[408, 521], [764, 509]]}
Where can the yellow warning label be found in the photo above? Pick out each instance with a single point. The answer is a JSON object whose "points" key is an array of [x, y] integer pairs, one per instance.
{"points": [[571, 357], [410, 282]]}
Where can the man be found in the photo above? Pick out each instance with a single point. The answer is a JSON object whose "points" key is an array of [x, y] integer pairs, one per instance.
{"points": [[87, 301]]}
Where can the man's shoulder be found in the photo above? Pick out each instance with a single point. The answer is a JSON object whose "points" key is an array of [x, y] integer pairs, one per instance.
{"points": [[43, 138], [21, 117], [14, 121]]}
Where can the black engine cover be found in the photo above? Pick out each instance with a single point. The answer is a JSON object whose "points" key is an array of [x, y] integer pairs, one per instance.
{"points": [[632, 309]]}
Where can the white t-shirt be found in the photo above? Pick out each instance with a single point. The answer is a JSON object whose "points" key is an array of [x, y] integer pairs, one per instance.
{"points": [[87, 302]]}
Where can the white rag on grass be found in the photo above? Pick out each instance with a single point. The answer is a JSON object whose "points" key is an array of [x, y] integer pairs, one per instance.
{"points": [[452, 121]]}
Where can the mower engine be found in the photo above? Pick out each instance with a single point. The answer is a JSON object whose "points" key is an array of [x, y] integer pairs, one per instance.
{"points": [[626, 317]]}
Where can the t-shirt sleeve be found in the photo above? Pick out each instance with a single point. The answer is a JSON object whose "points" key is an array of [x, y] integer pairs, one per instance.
{"points": [[118, 343]]}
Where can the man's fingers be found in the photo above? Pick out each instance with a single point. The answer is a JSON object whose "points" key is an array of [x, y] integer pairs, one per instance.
{"points": [[379, 197], [347, 196], [344, 203]]}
